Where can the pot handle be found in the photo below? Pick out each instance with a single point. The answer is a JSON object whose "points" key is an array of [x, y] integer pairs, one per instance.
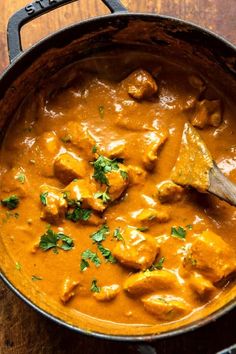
{"points": [[36, 9]]}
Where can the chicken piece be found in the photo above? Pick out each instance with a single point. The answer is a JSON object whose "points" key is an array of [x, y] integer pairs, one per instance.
{"points": [[211, 256], [84, 192], [153, 141], [54, 204], [201, 286], [140, 85], [46, 148], [73, 133], [118, 181], [115, 149], [149, 215], [166, 308], [107, 293], [68, 290], [197, 83], [14, 181], [169, 192], [138, 250], [94, 220], [136, 175], [208, 113], [67, 167], [149, 281]]}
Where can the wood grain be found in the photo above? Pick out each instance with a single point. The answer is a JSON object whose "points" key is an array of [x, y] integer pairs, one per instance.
{"points": [[22, 330]]}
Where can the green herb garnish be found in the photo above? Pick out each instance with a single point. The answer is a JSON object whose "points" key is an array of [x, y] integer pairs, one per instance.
{"points": [[158, 265], [94, 149], [117, 235], [104, 196], [94, 287], [20, 177], [124, 174], [43, 198], [55, 241], [11, 202], [35, 278], [102, 166], [143, 228], [18, 266], [106, 253], [189, 226], [78, 214], [100, 235], [178, 232], [89, 255]]}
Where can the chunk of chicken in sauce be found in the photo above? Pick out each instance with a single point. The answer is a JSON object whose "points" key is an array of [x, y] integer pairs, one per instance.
{"points": [[149, 216], [107, 293], [166, 308], [68, 167], [118, 182], [140, 85], [201, 286], [68, 290], [53, 204], [211, 256], [85, 192], [154, 141], [208, 113], [137, 251], [80, 138], [14, 181], [150, 281], [45, 149], [169, 192]]}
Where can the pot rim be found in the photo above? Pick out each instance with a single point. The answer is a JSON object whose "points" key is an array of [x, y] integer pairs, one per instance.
{"points": [[123, 338]]}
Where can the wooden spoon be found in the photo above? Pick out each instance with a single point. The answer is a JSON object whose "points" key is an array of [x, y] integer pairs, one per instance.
{"points": [[195, 167]]}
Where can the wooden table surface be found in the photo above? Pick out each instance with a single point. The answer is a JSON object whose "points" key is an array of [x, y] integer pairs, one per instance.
{"points": [[22, 331]]}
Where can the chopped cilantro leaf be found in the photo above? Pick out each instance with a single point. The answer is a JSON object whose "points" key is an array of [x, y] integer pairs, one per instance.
{"points": [[94, 287], [20, 177], [106, 254], [67, 242], [78, 214], [104, 196], [83, 265], [102, 166], [89, 255], [53, 240], [11, 202], [143, 228], [18, 266], [101, 111], [35, 277], [43, 198], [117, 235], [178, 232], [100, 235], [189, 226], [158, 265], [94, 149], [124, 174]]}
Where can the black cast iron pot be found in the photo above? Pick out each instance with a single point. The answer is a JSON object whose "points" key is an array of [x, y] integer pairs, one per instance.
{"points": [[150, 33]]}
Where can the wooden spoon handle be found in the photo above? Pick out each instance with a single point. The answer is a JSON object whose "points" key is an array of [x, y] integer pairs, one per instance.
{"points": [[221, 186]]}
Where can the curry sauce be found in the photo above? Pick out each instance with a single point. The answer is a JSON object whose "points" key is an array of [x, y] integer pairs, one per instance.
{"points": [[92, 223]]}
